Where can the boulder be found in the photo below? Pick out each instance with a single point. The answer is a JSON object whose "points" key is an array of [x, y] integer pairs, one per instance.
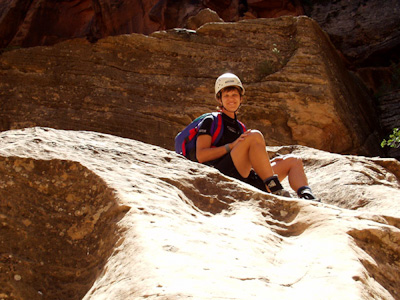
{"points": [[203, 17], [93, 216], [298, 90]]}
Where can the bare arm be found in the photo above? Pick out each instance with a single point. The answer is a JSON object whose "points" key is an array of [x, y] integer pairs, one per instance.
{"points": [[204, 151]]}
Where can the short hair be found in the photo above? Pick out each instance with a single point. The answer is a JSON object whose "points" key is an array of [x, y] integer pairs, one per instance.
{"points": [[228, 89]]}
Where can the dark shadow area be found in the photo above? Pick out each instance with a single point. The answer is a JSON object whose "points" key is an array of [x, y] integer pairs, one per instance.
{"points": [[212, 193], [383, 247], [215, 193], [58, 226]]}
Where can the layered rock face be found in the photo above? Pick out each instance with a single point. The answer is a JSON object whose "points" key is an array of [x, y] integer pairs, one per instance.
{"points": [[150, 87], [366, 32], [92, 216], [389, 109], [44, 22]]}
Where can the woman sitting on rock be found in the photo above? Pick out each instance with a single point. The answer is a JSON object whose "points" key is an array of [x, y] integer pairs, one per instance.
{"points": [[243, 155]]}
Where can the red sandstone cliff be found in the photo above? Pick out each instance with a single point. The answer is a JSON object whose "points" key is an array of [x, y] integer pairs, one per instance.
{"points": [[364, 32], [148, 88], [44, 22]]}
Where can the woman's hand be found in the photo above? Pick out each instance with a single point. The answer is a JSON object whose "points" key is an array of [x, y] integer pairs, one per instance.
{"points": [[240, 138], [204, 151]]}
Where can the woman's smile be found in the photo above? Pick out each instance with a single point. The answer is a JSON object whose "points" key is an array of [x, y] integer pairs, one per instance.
{"points": [[231, 99]]}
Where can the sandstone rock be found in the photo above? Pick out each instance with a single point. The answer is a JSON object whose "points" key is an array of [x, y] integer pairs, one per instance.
{"points": [[367, 34], [389, 108], [190, 232], [53, 247], [276, 8], [44, 22], [365, 31], [228, 10], [297, 88], [376, 78], [203, 17]]}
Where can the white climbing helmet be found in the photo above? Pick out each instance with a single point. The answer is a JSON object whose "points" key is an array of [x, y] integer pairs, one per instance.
{"points": [[225, 80]]}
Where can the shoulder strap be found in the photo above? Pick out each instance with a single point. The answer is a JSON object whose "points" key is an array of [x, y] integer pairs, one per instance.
{"points": [[217, 128], [242, 126]]}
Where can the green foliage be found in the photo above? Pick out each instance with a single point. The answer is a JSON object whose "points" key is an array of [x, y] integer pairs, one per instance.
{"points": [[280, 60], [394, 139]]}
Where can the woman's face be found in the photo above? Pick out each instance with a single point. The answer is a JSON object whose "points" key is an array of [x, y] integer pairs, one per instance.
{"points": [[231, 99]]}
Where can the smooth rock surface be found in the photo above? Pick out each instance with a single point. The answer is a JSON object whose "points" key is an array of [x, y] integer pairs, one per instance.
{"points": [[184, 230]]}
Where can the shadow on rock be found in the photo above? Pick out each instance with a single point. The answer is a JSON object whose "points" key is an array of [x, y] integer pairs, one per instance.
{"points": [[382, 247], [59, 224]]}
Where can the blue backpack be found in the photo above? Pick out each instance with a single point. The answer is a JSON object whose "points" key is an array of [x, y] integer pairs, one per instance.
{"points": [[185, 141]]}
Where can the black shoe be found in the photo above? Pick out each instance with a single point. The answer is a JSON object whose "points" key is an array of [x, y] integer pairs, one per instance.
{"points": [[305, 193]]}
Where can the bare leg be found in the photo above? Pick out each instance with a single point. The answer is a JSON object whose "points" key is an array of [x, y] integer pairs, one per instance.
{"points": [[292, 166], [251, 153]]}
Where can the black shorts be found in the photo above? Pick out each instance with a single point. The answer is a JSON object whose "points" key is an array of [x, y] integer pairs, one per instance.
{"points": [[226, 166]]}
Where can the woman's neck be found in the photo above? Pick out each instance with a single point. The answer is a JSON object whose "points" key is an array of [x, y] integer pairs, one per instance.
{"points": [[230, 114]]}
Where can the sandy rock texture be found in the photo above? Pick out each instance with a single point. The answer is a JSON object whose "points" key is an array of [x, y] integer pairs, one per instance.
{"points": [[114, 218], [58, 226], [297, 88], [44, 22], [367, 34], [365, 31]]}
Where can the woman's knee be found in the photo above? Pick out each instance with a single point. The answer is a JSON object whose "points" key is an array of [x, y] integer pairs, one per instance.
{"points": [[282, 166], [294, 160], [255, 136]]}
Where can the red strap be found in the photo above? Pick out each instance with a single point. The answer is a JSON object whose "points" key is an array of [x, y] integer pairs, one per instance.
{"points": [[183, 148], [243, 126], [218, 130], [192, 133]]}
